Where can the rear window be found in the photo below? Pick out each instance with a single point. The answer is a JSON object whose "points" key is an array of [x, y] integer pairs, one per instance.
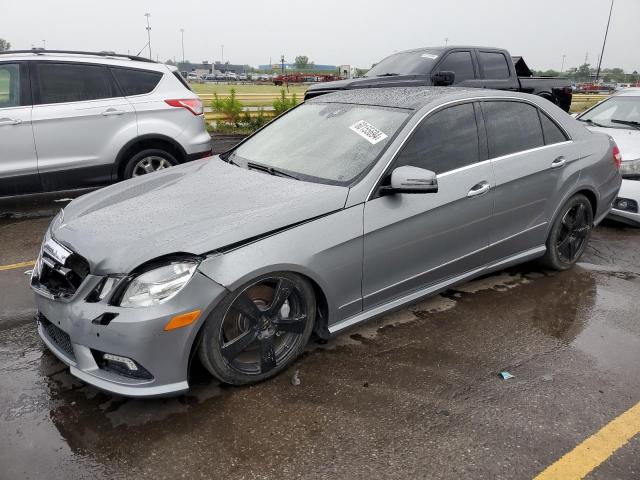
{"points": [[494, 65], [511, 127], [181, 79], [68, 82], [136, 82]]}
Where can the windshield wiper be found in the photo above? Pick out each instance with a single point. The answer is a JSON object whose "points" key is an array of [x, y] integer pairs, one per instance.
{"points": [[388, 75], [591, 122], [270, 170], [631, 123]]}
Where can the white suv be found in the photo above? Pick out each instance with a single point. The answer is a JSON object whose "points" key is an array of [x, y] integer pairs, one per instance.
{"points": [[76, 119]]}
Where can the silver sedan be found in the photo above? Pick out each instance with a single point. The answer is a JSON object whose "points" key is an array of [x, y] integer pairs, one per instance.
{"points": [[347, 207]]}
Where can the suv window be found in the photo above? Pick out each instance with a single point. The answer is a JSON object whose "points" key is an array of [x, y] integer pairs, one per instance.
{"points": [[136, 82], [460, 63], [511, 127], [444, 141], [69, 82], [552, 133], [9, 85], [494, 65]]}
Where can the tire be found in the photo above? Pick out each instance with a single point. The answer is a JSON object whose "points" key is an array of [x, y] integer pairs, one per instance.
{"points": [[569, 234], [259, 329], [158, 158]]}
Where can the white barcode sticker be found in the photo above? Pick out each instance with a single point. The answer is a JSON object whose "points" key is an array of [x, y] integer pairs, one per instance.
{"points": [[430, 56], [368, 132]]}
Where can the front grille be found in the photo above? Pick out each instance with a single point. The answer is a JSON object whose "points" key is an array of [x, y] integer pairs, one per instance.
{"points": [[60, 338], [62, 280]]}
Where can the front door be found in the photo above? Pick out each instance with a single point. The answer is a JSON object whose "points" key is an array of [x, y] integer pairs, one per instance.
{"points": [[18, 160], [415, 240]]}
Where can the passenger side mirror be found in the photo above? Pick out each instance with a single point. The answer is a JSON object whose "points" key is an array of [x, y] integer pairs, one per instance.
{"points": [[409, 179], [443, 79]]}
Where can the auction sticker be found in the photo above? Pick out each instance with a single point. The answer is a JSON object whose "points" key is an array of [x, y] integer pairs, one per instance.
{"points": [[429, 55], [368, 132]]}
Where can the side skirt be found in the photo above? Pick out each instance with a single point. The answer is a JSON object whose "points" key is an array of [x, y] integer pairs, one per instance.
{"points": [[400, 302]]}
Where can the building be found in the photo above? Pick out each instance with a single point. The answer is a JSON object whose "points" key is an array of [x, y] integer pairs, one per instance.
{"points": [[207, 67]]}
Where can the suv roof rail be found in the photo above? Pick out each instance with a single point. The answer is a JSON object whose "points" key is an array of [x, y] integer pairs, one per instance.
{"points": [[40, 51]]}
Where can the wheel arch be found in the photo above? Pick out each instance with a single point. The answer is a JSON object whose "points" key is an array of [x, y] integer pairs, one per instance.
{"points": [[585, 190], [142, 142]]}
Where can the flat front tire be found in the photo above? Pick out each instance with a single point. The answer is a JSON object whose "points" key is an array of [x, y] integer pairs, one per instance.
{"points": [[569, 234], [259, 329]]}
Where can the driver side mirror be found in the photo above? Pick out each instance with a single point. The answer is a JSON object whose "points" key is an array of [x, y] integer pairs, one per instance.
{"points": [[443, 79], [409, 179]]}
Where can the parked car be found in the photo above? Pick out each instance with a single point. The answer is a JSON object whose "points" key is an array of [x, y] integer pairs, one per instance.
{"points": [[70, 120], [476, 67], [193, 76], [210, 77], [343, 209], [619, 117], [242, 77]]}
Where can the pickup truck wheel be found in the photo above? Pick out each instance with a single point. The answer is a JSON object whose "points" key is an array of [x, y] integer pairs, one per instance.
{"points": [[148, 161], [569, 234]]}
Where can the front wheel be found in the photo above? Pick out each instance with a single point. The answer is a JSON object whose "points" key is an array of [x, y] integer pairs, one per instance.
{"points": [[569, 234], [259, 329]]}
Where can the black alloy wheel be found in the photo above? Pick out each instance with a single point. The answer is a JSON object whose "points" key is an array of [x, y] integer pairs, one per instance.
{"points": [[259, 330]]}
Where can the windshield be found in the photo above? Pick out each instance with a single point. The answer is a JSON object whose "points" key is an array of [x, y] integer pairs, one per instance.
{"points": [[617, 112], [406, 63], [322, 142]]}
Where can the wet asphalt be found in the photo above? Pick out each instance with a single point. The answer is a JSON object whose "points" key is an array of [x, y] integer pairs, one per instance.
{"points": [[415, 394]]}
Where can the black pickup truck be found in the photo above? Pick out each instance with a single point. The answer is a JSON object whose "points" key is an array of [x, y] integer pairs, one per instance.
{"points": [[477, 67]]}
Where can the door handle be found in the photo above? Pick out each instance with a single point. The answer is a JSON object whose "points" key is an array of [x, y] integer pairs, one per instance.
{"points": [[558, 162], [479, 189], [112, 111], [10, 121]]}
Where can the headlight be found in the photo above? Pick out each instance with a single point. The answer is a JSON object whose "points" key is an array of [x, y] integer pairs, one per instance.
{"points": [[158, 286], [631, 167]]}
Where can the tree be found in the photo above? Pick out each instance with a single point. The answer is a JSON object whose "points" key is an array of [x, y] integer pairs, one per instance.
{"points": [[302, 62], [170, 62], [4, 45], [584, 72]]}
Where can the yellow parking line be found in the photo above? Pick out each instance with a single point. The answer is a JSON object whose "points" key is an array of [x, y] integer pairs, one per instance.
{"points": [[583, 459], [30, 263]]}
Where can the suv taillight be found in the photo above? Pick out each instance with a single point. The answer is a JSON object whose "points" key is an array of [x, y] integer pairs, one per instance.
{"points": [[617, 157], [194, 105]]}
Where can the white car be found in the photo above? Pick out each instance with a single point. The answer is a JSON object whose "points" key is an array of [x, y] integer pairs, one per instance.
{"points": [[76, 120], [619, 117]]}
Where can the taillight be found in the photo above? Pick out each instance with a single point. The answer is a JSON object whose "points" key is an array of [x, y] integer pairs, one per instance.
{"points": [[617, 157], [194, 105]]}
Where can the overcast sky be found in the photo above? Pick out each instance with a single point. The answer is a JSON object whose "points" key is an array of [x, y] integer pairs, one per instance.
{"points": [[330, 31]]}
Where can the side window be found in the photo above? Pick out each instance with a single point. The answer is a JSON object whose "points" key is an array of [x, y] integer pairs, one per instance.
{"points": [[511, 127], [551, 131], [67, 82], [460, 63], [494, 65], [136, 82], [444, 141], [9, 85]]}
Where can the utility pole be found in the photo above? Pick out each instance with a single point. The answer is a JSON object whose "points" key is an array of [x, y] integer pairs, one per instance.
{"points": [[446, 41], [604, 42], [282, 64], [222, 53], [148, 34], [44, 44], [562, 67], [182, 33]]}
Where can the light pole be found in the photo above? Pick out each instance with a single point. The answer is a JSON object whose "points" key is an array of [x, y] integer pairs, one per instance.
{"points": [[44, 44], [562, 67], [446, 41], [148, 34], [604, 42], [222, 53], [182, 33]]}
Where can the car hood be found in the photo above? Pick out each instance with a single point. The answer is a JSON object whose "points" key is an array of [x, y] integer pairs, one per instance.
{"points": [[366, 82], [628, 140], [194, 208]]}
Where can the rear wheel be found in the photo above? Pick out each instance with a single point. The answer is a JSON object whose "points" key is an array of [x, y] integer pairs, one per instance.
{"points": [[149, 161], [569, 234], [259, 329]]}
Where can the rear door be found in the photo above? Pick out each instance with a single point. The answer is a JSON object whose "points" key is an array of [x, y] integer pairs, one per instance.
{"points": [[80, 122], [530, 164], [415, 240], [496, 70], [18, 161]]}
